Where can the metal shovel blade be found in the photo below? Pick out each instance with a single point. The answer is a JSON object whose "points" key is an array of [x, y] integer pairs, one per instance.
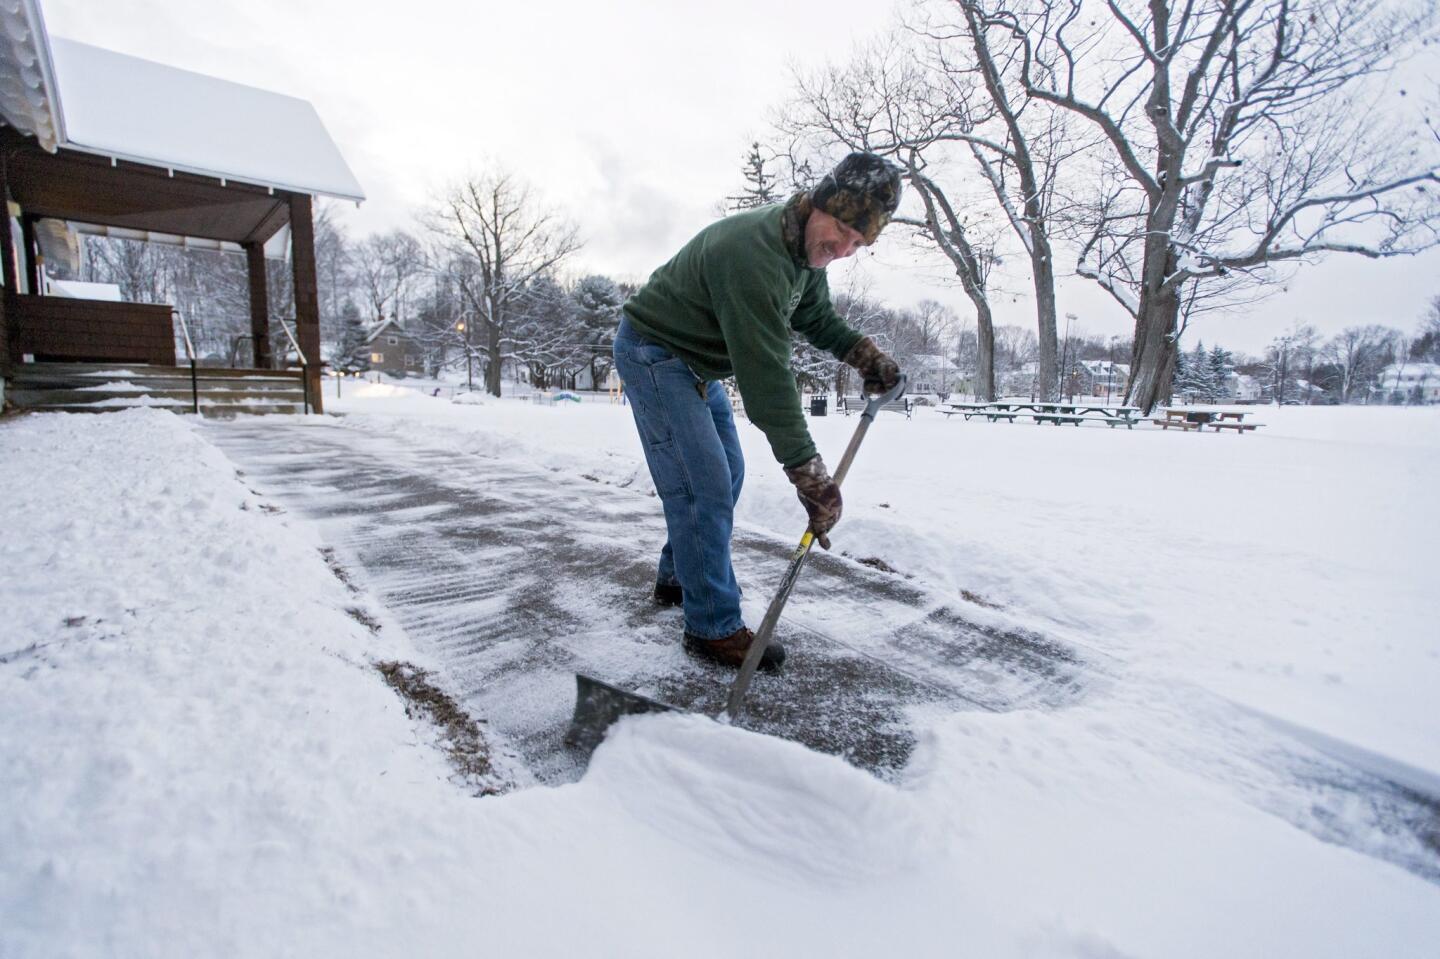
{"points": [[598, 705]]}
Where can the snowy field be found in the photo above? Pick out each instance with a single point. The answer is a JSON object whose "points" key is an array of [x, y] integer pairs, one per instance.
{"points": [[197, 757]]}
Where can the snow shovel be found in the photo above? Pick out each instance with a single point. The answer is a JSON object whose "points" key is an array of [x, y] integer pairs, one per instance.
{"points": [[598, 705]]}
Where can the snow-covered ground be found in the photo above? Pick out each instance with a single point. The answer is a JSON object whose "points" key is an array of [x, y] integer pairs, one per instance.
{"points": [[198, 758], [1291, 569]]}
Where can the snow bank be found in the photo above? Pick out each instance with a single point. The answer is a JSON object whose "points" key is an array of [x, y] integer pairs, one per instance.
{"points": [[378, 391], [188, 718]]}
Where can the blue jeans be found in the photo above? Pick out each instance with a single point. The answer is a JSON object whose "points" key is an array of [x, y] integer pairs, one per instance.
{"points": [[694, 456]]}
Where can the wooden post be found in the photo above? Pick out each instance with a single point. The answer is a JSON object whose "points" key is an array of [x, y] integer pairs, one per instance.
{"points": [[7, 240], [307, 295], [32, 255], [7, 299], [259, 306]]}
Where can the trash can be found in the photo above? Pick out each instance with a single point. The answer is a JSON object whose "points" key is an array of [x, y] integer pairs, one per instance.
{"points": [[818, 404]]}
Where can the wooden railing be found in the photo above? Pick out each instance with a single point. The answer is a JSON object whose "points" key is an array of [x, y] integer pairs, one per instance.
{"points": [[57, 329]]}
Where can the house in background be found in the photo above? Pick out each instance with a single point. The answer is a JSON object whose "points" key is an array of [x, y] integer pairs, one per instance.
{"points": [[931, 374], [1019, 381], [1101, 378], [1409, 383], [1244, 388], [392, 350], [97, 142]]}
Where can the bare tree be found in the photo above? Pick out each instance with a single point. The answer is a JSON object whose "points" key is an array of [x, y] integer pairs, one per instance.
{"points": [[1018, 146], [503, 239], [208, 287], [1426, 343], [1358, 354], [332, 274], [386, 266], [1237, 138], [885, 102], [1017, 351], [546, 333], [1287, 356], [141, 270], [934, 326], [858, 307]]}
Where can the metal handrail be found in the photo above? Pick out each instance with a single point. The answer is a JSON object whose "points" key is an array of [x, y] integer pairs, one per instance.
{"points": [[304, 363], [190, 352], [298, 352], [185, 331]]}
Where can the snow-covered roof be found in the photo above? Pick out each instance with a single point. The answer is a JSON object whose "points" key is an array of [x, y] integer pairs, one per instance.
{"points": [[76, 96], [1103, 367], [121, 106], [28, 93], [386, 326], [1411, 373]]}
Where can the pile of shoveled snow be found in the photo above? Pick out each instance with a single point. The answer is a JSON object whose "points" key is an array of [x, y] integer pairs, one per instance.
{"points": [[197, 757], [372, 391]]}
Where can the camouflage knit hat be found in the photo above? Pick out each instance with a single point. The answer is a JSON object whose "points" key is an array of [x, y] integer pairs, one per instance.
{"points": [[862, 192]]}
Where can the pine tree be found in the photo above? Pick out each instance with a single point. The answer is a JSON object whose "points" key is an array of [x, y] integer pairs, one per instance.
{"points": [[1180, 381], [350, 351], [1192, 375], [1221, 363], [759, 184], [547, 332], [598, 301]]}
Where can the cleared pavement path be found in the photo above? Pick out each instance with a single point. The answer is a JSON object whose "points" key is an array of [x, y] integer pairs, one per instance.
{"points": [[516, 577]]}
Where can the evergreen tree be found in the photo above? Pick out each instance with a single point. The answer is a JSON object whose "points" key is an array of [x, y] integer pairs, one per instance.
{"points": [[350, 353], [546, 333], [759, 184], [597, 306], [1221, 363], [1180, 381], [1192, 375]]}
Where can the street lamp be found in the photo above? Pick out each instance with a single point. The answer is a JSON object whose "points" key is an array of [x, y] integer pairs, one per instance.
{"points": [[464, 328], [1065, 357], [1110, 379]]}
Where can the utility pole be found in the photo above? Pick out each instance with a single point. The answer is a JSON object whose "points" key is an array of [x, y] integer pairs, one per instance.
{"points": [[1065, 358]]}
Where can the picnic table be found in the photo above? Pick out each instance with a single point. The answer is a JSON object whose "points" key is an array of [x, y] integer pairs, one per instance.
{"points": [[1187, 419], [991, 411], [1043, 412]]}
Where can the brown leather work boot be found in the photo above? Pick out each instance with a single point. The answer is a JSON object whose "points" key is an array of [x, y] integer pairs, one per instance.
{"points": [[731, 650]]}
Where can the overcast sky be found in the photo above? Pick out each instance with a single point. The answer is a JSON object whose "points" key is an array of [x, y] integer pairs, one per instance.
{"points": [[632, 117]]}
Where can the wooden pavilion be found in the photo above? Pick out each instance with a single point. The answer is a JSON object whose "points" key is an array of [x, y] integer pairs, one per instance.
{"points": [[97, 142]]}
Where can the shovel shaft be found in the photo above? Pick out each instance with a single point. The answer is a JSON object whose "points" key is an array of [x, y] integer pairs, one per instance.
{"points": [[741, 686]]}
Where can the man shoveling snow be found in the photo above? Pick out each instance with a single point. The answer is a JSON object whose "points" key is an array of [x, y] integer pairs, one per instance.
{"points": [[726, 305]]}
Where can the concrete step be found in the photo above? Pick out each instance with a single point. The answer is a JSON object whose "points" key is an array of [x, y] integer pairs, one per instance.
{"points": [[121, 384], [223, 411], [101, 387], [153, 374], [31, 398]]}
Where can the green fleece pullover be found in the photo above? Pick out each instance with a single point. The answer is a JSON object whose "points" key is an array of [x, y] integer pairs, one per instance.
{"points": [[726, 303]]}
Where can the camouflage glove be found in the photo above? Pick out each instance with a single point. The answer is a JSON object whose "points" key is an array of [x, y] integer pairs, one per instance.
{"points": [[819, 495], [879, 371]]}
